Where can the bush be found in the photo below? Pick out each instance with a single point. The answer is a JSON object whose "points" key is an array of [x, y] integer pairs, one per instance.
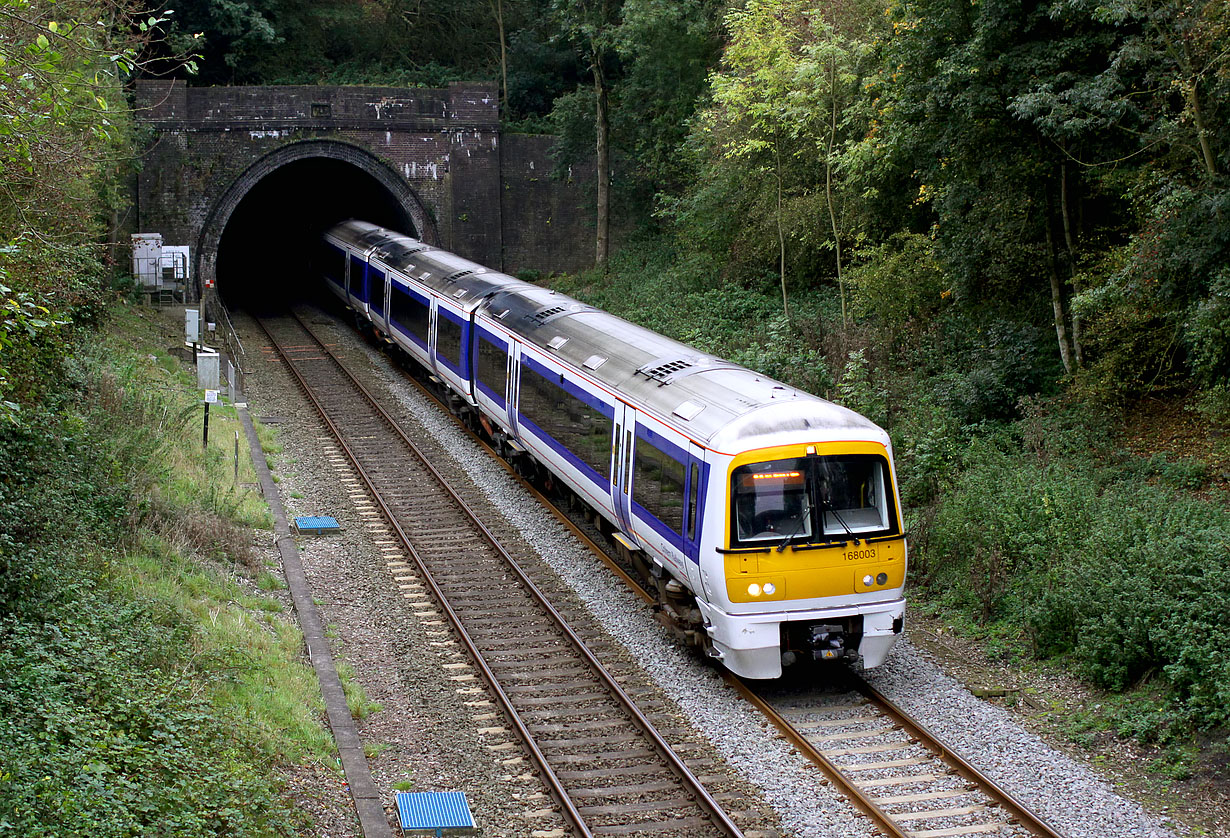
{"points": [[1125, 576], [122, 712]]}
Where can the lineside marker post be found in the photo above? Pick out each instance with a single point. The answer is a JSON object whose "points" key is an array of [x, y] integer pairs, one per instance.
{"points": [[211, 397]]}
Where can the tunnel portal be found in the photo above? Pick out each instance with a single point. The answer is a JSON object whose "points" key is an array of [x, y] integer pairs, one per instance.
{"points": [[266, 248], [246, 176]]}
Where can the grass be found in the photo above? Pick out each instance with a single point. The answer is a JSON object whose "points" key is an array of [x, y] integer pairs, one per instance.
{"points": [[148, 682], [262, 680], [263, 683]]}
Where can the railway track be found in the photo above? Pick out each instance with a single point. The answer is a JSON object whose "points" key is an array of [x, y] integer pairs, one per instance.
{"points": [[888, 765], [891, 767], [607, 767]]}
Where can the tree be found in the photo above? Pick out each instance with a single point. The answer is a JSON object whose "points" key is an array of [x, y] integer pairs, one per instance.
{"points": [[787, 105], [962, 95], [64, 140], [591, 26], [751, 96]]}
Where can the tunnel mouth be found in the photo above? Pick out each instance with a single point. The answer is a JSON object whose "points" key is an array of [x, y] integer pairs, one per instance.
{"points": [[268, 245]]}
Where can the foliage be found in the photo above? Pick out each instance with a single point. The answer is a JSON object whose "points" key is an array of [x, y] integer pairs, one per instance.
{"points": [[1109, 566], [141, 691], [785, 111], [347, 42], [899, 283]]}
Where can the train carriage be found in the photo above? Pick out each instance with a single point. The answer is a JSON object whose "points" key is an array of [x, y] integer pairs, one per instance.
{"points": [[767, 519]]}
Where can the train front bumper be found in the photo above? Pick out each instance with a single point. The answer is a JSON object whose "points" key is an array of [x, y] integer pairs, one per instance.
{"points": [[750, 645]]}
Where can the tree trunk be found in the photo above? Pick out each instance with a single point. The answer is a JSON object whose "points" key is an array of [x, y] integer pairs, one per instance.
{"points": [[603, 128], [1078, 353], [1202, 133], [828, 187], [497, 7], [1061, 329], [781, 231]]}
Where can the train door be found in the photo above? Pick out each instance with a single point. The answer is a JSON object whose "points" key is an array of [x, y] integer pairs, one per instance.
{"points": [[621, 464], [513, 383], [431, 334], [357, 278], [694, 500], [377, 294]]}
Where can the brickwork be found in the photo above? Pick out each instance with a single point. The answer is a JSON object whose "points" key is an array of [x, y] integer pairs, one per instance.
{"points": [[438, 152], [548, 221]]}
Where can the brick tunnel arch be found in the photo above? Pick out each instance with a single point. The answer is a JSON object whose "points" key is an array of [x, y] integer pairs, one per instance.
{"points": [[336, 176]]}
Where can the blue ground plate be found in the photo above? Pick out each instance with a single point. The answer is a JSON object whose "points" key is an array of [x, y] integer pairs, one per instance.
{"points": [[434, 811], [316, 524]]}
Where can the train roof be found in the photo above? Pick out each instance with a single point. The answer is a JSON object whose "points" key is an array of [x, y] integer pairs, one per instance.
{"points": [[714, 401]]}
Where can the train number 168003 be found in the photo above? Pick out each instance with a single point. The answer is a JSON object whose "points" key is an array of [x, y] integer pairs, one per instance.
{"points": [[866, 554]]}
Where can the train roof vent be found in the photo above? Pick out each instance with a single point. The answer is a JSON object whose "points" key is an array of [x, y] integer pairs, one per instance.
{"points": [[402, 250], [664, 372], [557, 341], [594, 361], [456, 275], [543, 315], [460, 292]]}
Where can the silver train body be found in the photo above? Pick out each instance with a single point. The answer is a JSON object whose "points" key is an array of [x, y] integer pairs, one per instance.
{"points": [[767, 519]]}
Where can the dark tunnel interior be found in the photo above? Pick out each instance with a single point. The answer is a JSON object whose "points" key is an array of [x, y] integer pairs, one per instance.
{"points": [[265, 252]]}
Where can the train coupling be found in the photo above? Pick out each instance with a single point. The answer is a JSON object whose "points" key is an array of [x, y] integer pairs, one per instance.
{"points": [[827, 642]]}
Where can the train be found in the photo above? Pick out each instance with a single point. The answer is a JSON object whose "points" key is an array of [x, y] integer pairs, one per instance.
{"points": [[765, 520]]}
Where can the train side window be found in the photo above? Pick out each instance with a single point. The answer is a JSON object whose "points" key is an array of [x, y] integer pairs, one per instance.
{"points": [[492, 367], [409, 312], [659, 484], [618, 472], [358, 278], [693, 496], [578, 426], [627, 472], [448, 339], [376, 283]]}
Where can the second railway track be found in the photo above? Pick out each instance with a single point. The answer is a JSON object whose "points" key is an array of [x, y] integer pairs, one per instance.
{"points": [[610, 771]]}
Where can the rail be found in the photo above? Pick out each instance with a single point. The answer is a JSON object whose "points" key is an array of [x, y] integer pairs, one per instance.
{"points": [[710, 810]]}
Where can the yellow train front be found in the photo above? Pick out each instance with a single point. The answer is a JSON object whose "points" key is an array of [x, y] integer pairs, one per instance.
{"points": [[808, 557]]}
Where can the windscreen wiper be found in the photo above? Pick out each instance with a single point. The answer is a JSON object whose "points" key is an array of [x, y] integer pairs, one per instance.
{"points": [[844, 526], [803, 516]]}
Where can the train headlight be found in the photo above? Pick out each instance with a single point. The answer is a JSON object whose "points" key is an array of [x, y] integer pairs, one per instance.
{"points": [[769, 589], [881, 578], [753, 589], [868, 581]]}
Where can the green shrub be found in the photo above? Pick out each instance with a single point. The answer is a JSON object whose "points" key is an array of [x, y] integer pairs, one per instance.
{"points": [[1124, 575], [139, 692]]}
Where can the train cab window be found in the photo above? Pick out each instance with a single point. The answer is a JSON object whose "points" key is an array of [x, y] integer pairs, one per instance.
{"points": [[853, 493], [334, 262], [812, 499], [771, 501], [409, 312], [448, 339], [658, 484], [492, 367]]}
